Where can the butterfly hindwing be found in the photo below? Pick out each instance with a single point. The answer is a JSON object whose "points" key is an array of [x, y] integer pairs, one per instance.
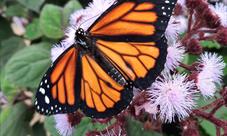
{"points": [[56, 93], [140, 61], [101, 95]]}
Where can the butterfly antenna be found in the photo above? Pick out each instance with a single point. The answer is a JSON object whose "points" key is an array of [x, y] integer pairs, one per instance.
{"points": [[85, 21]]}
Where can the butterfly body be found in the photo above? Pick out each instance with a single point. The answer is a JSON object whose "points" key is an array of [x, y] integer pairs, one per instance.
{"points": [[124, 48]]}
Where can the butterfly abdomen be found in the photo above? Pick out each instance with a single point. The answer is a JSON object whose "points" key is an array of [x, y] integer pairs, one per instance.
{"points": [[117, 76]]}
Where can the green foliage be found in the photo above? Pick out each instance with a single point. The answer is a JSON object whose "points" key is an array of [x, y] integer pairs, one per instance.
{"points": [[210, 44], [33, 30], [8, 47], [5, 29], [16, 10], [17, 121], [26, 67], [32, 4], [135, 128], [51, 21]]}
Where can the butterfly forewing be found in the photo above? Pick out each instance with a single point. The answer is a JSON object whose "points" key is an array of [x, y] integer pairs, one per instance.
{"points": [[56, 93], [134, 20]]}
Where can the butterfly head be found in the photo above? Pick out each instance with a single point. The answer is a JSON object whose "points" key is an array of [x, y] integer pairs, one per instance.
{"points": [[81, 38], [80, 32]]}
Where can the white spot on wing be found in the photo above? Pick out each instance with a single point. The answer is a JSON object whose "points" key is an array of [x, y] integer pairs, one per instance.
{"points": [[47, 100], [42, 90]]}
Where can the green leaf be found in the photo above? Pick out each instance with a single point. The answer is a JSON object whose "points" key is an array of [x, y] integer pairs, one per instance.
{"points": [[208, 127], [7, 87], [8, 47], [33, 30], [4, 114], [222, 113], [27, 66], [6, 30], [210, 44], [51, 21], [32, 4], [69, 8], [17, 122], [16, 10], [135, 128]]}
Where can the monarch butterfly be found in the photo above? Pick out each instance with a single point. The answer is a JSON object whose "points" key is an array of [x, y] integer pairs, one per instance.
{"points": [[123, 48]]}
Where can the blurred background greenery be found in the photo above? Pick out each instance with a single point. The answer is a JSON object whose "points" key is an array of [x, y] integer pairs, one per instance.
{"points": [[28, 29]]}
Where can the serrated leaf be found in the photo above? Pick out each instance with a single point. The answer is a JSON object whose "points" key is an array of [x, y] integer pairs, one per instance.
{"points": [[51, 21], [27, 66], [33, 30], [16, 10], [17, 122], [210, 44], [32, 4], [69, 8], [134, 128]]}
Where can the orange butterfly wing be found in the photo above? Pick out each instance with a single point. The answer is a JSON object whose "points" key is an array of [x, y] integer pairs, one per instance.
{"points": [[134, 20], [101, 95], [56, 93]]}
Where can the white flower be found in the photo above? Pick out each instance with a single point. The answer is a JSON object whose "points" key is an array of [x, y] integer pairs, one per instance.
{"points": [[63, 125], [69, 37], [210, 73], [56, 51], [176, 26], [147, 107], [175, 54], [182, 2], [77, 18], [174, 96], [221, 10]]}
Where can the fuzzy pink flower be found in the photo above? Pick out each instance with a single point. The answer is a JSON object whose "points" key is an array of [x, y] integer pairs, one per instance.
{"points": [[174, 56], [63, 125], [174, 95], [221, 10], [211, 72]]}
